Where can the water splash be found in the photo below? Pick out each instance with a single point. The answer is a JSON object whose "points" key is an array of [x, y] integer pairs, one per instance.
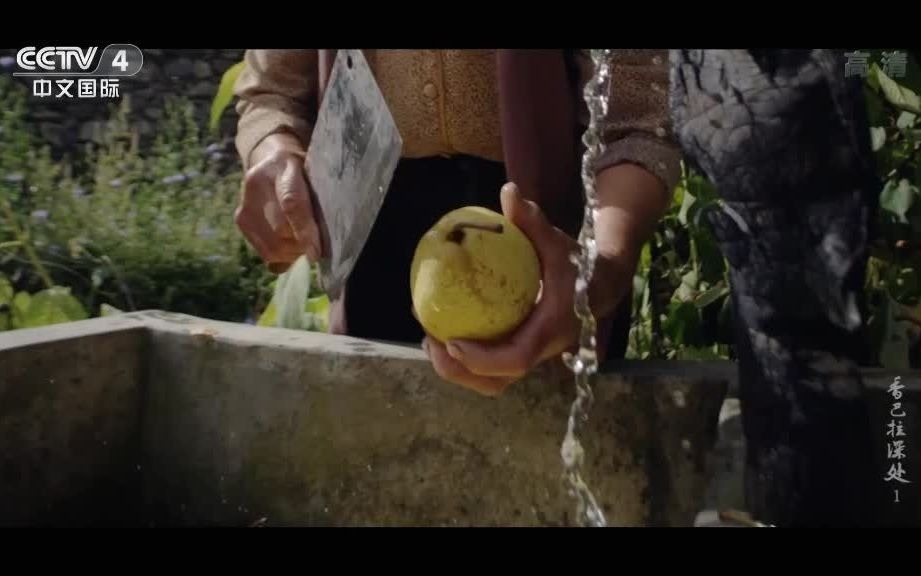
{"points": [[584, 364]]}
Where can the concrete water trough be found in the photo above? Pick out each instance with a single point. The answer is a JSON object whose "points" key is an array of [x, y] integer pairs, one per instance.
{"points": [[157, 419]]}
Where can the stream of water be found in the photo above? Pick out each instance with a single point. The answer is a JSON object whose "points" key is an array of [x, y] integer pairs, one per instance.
{"points": [[584, 364]]}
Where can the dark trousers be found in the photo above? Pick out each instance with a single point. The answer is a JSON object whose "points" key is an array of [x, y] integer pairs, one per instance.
{"points": [[378, 305], [783, 134], [805, 411]]}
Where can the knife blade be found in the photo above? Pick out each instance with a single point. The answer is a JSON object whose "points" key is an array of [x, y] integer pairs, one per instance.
{"points": [[353, 154]]}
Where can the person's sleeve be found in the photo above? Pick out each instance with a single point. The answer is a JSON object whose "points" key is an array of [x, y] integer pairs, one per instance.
{"points": [[277, 91], [637, 128]]}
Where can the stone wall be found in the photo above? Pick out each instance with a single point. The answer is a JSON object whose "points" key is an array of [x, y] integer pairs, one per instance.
{"points": [[66, 123], [203, 423], [153, 418]]}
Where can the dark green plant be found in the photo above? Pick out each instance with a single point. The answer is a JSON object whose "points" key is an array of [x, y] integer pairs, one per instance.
{"points": [[893, 287], [133, 228]]}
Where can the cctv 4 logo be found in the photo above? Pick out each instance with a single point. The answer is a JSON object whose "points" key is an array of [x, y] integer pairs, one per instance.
{"points": [[64, 58]]}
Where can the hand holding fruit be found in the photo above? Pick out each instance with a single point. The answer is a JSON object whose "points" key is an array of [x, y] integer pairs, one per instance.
{"points": [[528, 332], [275, 213]]}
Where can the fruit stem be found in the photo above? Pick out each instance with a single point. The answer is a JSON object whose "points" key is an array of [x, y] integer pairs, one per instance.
{"points": [[456, 234]]}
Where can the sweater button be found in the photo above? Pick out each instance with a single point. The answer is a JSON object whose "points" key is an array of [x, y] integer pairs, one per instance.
{"points": [[430, 91]]}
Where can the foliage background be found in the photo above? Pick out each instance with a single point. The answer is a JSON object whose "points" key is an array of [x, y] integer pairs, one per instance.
{"points": [[120, 228], [124, 228], [681, 307]]}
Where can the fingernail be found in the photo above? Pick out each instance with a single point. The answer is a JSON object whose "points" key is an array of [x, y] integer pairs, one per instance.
{"points": [[425, 346]]}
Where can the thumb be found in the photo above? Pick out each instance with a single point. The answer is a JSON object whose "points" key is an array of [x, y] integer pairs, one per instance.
{"points": [[528, 216]]}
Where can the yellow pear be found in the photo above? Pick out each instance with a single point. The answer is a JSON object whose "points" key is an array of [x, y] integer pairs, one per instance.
{"points": [[474, 276]]}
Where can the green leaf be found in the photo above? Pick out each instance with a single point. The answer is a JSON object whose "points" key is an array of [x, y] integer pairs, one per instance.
{"points": [[6, 290], [677, 194], [269, 315], [711, 259], [878, 137], [897, 95], [683, 324], [905, 121], [645, 307], [686, 205], [897, 198], [225, 94], [10, 244], [20, 308], [687, 290], [875, 267], [107, 310], [639, 287], [893, 354], [704, 299], [318, 305], [645, 257], [53, 306], [318, 309], [702, 188], [291, 293]]}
